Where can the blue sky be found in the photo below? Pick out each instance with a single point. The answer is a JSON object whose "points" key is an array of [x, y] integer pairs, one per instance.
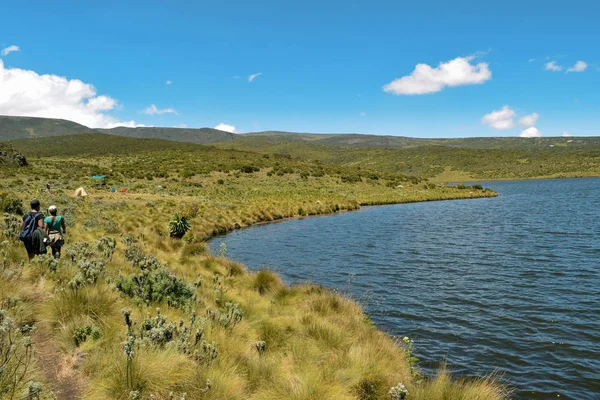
{"points": [[323, 65]]}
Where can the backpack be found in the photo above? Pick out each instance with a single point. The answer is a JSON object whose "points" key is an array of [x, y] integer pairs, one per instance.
{"points": [[29, 226]]}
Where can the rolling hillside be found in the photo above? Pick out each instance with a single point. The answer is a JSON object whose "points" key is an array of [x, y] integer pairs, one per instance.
{"points": [[14, 128], [457, 159], [276, 138], [28, 127], [198, 136], [444, 159]]}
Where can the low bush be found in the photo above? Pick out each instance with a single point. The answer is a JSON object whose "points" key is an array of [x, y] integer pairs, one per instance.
{"points": [[10, 204]]}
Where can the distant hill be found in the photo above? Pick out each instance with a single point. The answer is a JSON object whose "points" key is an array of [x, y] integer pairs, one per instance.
{"points": [[198, 136], [275, 139], [441, 159], [30, 127], [14, 128], [338, 139], [455, 160], [94, 144]]}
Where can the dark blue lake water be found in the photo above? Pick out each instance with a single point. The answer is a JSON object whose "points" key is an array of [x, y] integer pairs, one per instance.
{"points": [[508, 284]]}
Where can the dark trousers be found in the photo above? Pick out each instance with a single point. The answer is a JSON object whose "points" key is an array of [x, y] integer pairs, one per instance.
{"points": [[36, 246]]}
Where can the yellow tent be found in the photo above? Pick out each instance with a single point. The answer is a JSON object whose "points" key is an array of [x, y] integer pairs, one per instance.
{"points": [[81, 192]]}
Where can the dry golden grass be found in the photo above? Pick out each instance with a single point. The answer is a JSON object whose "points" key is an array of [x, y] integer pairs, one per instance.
{"points": [[317, 344]]}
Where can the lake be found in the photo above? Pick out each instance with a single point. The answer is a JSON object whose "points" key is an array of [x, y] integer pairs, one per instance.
{"points": [[508, 284]]}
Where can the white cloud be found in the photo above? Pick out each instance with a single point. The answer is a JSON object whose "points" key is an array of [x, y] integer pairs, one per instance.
{"points": [[551, 66], [153, 110], [127, 124], [181, 126], [531, 132], [254, 76], [579, 66], [529, 120], [426, 79], [26, 93], [500, 119], [566, 134], [532, 60], [363, 114], [169, 82], [9, 49], [225, 127]]}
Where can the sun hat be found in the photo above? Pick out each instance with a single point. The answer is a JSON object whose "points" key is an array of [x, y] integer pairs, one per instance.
{"points": [[52, 209]]}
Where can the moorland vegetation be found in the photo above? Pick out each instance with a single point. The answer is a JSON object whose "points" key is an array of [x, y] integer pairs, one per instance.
{"points": [[138, 308]]}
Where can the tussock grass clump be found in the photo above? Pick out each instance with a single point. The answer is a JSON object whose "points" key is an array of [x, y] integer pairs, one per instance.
{"points": [[267, 281], [443, 387], [194, 250]]}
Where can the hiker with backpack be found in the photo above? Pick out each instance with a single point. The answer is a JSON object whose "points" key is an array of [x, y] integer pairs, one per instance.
{"points": [[55, 227], [33, 231]]}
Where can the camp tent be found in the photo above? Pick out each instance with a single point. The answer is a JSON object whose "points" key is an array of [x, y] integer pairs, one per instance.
{"points": [[81, 192], [99, 180]]}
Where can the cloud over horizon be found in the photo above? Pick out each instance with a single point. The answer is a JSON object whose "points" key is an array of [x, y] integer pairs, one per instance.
{"points": [[531, 132], [7, 50], [426, 79], [153, 110], [500, 120], [225, 127], [26, 93]]}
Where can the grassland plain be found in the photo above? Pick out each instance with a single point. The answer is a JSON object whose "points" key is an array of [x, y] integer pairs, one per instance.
{"points": [[130, 313], [442, 160]]}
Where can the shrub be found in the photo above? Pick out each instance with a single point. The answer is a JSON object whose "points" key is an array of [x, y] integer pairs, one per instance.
{"points": [[351, 178], [17, 353], [10, 205], [12, 226], [248, 169], [178, 226], [82, 333], [157, 285], [107, 246], [477, 186], [89, 272]]}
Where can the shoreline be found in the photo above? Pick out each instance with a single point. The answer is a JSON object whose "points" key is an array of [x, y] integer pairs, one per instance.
{"points": [[543, 177], [360, 205]]}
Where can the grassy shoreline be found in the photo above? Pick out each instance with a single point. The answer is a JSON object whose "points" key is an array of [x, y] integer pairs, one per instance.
{"points": [[304, 325], [130, 313], [459, 178]]}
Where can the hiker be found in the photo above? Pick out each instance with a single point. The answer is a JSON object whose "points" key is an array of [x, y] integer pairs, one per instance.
{"points": [[55, 227], [33, 231]]}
